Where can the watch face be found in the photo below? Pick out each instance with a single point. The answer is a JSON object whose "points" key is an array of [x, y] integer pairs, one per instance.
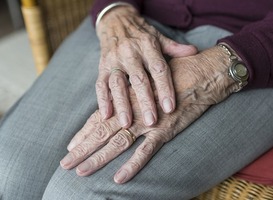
{"points": [[240, 70]]}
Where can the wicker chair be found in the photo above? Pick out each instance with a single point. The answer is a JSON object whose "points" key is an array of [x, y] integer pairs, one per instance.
{"points": [[48, 22]]}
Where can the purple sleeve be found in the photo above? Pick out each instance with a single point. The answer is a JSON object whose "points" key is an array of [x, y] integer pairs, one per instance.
{"points": [[99, 5], [254, 44]]}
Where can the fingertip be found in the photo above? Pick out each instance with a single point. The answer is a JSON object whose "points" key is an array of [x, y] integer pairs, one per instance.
{"points": [[186, 50], [79, 173], [66, 162], [121, 176], [71, 145], [84, 169], [180, 50], [62, 166], [192, 49], [69, 148], [149, 118], [168, 105]]}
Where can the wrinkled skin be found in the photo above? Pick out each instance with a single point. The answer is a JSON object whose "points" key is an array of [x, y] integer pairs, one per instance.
{"points": [[200, 81], [131, 47]]}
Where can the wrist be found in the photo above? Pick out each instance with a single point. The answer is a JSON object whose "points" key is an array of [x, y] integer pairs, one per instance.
{"points": [[118, 8], [237, 70]]}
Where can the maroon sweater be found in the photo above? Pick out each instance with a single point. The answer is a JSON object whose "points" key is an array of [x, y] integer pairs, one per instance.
{"points": [[251, 21]]}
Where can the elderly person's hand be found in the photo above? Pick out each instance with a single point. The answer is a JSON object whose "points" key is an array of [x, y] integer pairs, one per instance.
{"points": [[130, 46], [200, 81]]}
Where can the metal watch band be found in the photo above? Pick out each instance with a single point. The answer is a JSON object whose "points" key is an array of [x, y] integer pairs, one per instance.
{"points": [[237, 70]]}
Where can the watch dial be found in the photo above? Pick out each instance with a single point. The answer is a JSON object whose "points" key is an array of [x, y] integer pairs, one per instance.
{"points": [[241, 70]]}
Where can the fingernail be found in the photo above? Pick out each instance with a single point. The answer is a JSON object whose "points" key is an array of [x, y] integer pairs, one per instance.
{"points": [[121, 176], [123, 119], [167, 105], [84, 167], [149, 118], [67, 160]]}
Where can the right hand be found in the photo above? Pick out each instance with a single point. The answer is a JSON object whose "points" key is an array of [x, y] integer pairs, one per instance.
{"points": [[130, 46]]}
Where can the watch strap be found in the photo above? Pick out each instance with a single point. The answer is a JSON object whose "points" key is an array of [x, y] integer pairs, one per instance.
{"points": [[237, 70]]}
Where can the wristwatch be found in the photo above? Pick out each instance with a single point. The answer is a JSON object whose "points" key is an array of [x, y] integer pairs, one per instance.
{"points": [[237, 70]]}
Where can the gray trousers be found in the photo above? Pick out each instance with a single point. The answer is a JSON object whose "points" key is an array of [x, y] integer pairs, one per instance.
{"points": [[35, 132]]}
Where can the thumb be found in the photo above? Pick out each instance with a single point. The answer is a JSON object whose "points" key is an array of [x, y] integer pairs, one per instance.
{"points": [[174, 49]]}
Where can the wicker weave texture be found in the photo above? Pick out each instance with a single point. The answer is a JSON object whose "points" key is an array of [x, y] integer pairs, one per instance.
{"points": [[37, 34], [61, 17], [237, 189]]}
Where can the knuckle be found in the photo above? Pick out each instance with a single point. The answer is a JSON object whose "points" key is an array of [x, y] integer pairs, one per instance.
{"points": [[138, 78], [120, 142], [102, 134], [98, 159], [158, 68], [116, 81], [80, 151], [101, 85]]}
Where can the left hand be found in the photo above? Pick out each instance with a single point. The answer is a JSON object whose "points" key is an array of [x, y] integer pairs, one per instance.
{"points": [[200, 81], [131, 47]]}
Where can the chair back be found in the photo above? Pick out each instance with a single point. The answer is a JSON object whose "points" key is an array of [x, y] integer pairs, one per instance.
{"points": [[48, 22]]}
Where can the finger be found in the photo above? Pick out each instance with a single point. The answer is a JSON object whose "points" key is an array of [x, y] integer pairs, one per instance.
{"points": [[92, 124], [161, 74], [145, 97], [103, 95], [139, 159], [118, 85], [103, 132], [174, 49], [118, 144], [132, 62], [89, 127]]}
